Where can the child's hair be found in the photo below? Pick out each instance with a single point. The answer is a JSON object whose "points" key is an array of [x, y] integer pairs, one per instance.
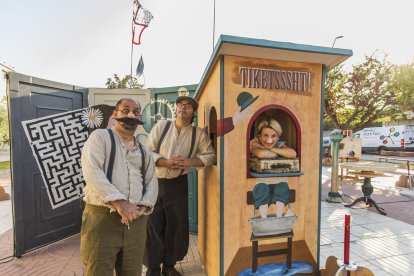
{"points": [[269, 123]]}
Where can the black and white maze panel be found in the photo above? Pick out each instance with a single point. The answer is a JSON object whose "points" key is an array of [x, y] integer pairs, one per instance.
{"points": [[57, 143]]}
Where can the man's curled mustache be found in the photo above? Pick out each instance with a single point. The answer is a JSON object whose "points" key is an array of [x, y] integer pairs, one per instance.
{"points": [[130, 121]]}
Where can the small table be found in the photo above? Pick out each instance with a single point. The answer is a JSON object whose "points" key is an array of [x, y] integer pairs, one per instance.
{"points": [[368, 170]]}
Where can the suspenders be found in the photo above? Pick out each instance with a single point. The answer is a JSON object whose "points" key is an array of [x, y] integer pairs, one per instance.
{"points": [[164, 132], [143, 171], [112, 158]]}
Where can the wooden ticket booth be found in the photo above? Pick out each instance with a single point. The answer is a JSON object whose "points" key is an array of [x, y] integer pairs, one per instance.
{"points": [[246, 80]]}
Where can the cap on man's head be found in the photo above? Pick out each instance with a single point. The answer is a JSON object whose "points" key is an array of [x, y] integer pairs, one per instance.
{"points": [[191, 100]]}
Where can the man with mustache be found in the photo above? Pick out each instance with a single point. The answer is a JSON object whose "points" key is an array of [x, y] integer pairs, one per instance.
{"points": [[121, 191], [176, 148]]}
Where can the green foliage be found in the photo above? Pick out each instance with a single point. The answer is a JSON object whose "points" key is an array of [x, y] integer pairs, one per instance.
{"points": [[126, 82], [327, 124], [5, 165], [335, 96], [365, 96], [405, 85], [4, 123]]}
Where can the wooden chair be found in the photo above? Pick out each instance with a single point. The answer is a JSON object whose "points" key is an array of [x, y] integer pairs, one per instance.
{"points": [[256, 254]]}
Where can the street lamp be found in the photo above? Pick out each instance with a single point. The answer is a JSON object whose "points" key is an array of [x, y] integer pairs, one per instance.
{"points": [[336, 138], [338, 37]]}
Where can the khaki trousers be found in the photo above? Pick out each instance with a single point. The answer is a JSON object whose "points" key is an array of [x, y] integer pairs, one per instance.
{"points": [[106, 244]]}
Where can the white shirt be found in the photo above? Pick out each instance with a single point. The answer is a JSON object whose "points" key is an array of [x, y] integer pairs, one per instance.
{"points": [[126, 177], [178, 144]]}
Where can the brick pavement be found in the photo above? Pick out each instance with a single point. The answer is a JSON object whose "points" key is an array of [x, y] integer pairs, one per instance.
{"points": [[381, 243], [62, 258]]}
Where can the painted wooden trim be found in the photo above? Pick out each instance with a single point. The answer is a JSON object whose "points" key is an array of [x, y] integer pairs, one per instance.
{"points": [[255, 174], [222, 168], [283, 45], [190, 87], [318, 249], [251, 123]]}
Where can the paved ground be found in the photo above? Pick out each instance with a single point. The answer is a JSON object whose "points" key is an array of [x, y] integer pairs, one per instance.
{"points": [[397, 202], [61, 258], [382, 243]]}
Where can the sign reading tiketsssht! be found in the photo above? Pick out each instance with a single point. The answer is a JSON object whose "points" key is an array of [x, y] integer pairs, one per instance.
{"points": [[275, 79]]}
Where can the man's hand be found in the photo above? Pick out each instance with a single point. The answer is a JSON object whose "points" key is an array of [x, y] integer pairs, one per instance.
{"points": [[171, 163], [179, 163], [143, 209], [184, 163], [127, 211]]}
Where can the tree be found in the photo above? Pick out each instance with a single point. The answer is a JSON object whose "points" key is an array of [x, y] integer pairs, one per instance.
{"points": [[405, 85], [362, 97], [126, 82], [327, 124], [4, 123], [334, 102]]}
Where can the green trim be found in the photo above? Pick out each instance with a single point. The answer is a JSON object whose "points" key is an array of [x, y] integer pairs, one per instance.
{"points": [[190, 88], [171, 91], [284, 45], [209, 67], [324, 70], [252, 42], [222, 168]]}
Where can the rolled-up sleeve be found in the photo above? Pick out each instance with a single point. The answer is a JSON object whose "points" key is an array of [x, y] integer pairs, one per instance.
{"points": [[93, 162], [151, 192], [205, 150]]}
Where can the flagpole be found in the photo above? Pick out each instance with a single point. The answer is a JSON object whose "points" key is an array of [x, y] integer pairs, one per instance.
{"points": [[214, 21], [132, 43], [132, 53]]}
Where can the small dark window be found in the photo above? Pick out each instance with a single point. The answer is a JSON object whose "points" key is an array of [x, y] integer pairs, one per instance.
{"points": [[212, 128]]}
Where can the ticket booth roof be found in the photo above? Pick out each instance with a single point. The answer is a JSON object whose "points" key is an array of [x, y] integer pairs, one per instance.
{"points": [[273, 50]]}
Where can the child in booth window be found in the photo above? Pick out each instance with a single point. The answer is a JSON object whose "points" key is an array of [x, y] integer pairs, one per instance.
{"points": [[267, 145]]}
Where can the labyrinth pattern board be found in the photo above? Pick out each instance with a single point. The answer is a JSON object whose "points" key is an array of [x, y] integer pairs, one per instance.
{"points": [[56, 142]]}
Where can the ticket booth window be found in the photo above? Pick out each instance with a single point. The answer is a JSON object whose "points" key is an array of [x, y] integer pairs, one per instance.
{"points": [[289, 138]]}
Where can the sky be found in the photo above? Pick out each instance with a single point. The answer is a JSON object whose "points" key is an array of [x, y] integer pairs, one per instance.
{"points": [[84, 42]]}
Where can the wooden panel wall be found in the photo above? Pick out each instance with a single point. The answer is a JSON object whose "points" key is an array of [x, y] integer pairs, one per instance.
{"points": [[306, 108], [209, 182]]}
